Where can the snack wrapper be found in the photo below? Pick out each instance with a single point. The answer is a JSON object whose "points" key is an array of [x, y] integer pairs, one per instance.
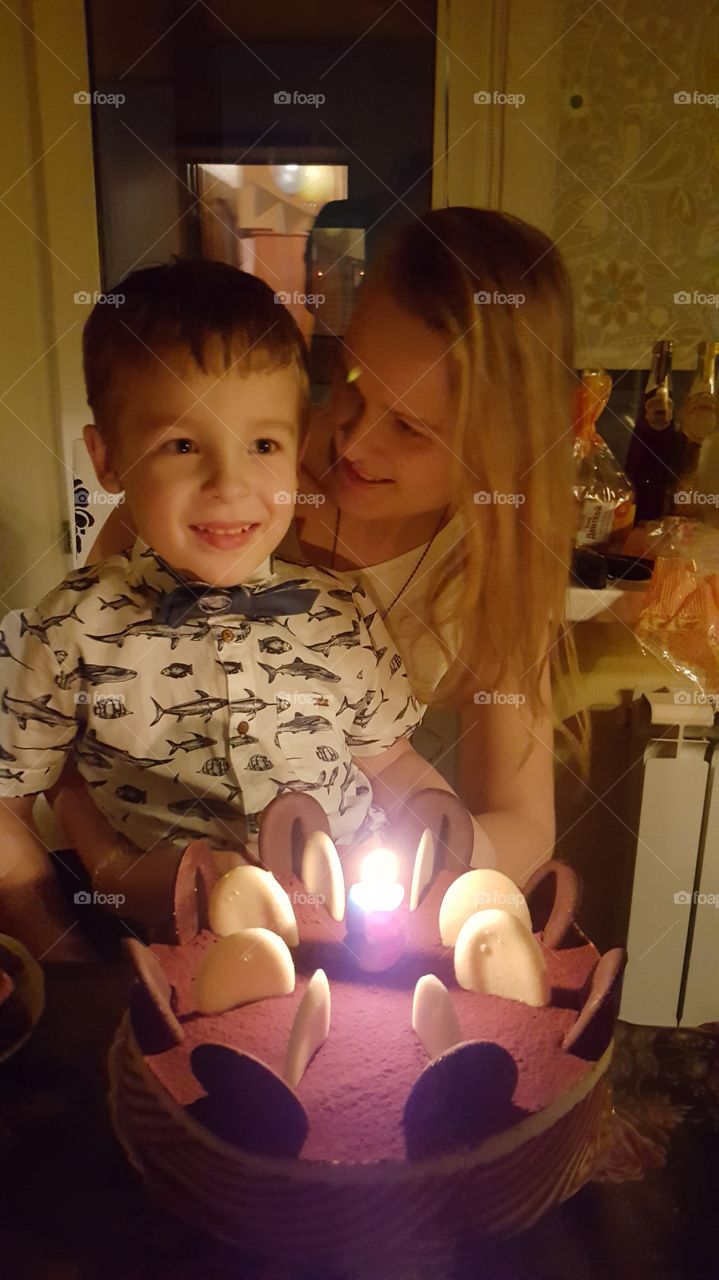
{"points": [[680, 619], [604, 493]]}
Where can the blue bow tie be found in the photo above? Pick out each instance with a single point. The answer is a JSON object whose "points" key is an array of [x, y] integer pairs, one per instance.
{"points": [[197, 600]]}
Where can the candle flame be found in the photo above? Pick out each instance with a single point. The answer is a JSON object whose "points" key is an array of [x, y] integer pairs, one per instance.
{"points": [[379, 868]]}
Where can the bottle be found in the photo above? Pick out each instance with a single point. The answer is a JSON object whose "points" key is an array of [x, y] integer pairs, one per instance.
{"points": [[697, 421], [651, 459], [603, 492]]}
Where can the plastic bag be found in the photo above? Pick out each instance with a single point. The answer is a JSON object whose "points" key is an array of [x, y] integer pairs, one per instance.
{"points": [[679, 622], [604, 493]]}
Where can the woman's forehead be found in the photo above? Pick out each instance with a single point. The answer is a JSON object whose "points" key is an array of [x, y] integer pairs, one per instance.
{"points": [[387, 345]]}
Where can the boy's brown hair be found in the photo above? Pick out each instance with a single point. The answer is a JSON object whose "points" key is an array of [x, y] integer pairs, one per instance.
{"points": [[210, 312]]}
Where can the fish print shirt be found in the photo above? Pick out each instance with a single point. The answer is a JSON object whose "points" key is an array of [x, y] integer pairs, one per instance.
{"points": [[193, 729]]}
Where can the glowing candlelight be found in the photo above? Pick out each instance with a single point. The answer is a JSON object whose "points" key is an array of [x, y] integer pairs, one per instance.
{"points": [[378, 888], [373, 921]]}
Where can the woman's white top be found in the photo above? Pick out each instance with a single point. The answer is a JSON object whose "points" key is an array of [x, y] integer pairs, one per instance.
{"points": [[407, 623]]}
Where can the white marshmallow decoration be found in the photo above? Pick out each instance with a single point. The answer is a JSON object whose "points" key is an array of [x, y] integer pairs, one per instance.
{"points": [[475, 891], [251, 898], [310, 1028], [249, 965], [497, 955], [434, 1018], [423, 868], [321, 873]]}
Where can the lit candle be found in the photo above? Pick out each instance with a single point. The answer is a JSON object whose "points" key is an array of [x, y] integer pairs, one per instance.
{"points": [[375, 931]]}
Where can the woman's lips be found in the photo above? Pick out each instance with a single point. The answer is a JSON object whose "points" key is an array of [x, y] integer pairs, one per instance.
{"points": [[349, 474], [224, 537]]}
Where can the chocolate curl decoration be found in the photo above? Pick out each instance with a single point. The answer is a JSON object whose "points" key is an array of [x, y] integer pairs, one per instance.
{"points": [[195, 879], [246, 1103], [7, 986], [591, 1034], [460, 1099], [450, 823], [285, 827], [553, 895], [152, 1016]]}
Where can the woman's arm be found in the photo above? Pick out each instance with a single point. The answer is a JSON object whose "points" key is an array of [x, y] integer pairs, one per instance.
{"points": [[117, 534], [513, 806], [396, 774]]}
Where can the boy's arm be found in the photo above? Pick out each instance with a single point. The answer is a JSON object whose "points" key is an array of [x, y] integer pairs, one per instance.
{"points": [[31, 905]]}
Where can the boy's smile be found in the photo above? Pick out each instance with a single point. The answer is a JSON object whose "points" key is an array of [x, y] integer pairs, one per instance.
{"points": [[208, 464]]}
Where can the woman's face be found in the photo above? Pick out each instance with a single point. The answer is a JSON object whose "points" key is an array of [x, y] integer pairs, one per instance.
{"points": [[393, 419]]}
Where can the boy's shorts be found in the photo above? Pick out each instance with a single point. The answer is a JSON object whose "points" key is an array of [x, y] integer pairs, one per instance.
{"points": [[103, 929]]}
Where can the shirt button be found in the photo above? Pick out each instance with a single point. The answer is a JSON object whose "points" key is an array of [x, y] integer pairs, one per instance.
{"points": [[242, 726], [227, 635]]}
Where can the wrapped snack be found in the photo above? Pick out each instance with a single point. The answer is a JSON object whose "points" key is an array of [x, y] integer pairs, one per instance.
{"points": [[605, 495], [680, 619]]}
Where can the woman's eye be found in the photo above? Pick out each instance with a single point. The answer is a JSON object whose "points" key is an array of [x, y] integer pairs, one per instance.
{"points": [[406, 429]]}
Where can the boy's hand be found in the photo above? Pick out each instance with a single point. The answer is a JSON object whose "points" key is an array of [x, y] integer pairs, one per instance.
{"points": [[31, 904], [143, 883], [138, 885]]}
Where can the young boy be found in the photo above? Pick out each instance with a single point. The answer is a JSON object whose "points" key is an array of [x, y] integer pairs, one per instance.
{"points": [[190, 701]]}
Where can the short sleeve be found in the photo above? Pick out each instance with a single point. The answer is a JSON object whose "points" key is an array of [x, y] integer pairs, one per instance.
{"points": [[38, 708], [386, 710]]}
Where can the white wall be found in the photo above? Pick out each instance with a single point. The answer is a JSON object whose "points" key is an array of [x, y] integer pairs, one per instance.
{"points": [[48, 252]]}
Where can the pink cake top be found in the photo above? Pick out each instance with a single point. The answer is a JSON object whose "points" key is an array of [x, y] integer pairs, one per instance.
{"points": [[355, 1089]]}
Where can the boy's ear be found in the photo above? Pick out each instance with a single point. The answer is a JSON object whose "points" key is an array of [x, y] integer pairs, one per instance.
{"points": [[99, 450]]}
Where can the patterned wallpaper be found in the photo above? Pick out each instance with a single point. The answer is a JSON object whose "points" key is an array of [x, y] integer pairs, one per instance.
{"points": [[614, 152]]}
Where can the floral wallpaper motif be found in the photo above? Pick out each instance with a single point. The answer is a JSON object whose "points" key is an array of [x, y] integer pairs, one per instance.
{"points": [[622, 102]]}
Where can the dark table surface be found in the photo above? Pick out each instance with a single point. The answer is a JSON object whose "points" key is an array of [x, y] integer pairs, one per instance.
{"points": [[71, 1208]]}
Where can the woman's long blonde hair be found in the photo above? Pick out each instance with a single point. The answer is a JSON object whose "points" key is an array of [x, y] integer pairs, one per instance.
{"points": [[497, 289]]}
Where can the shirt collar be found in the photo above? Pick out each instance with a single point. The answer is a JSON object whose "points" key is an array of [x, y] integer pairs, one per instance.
{"points": [[148, 570]]}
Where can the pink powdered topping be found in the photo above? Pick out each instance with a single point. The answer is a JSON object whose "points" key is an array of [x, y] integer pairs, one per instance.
{"points": [[355, 1088]]}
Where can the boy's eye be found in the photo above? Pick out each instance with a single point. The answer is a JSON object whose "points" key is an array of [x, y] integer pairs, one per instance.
{"points": [[178, 445], [266, 446]]}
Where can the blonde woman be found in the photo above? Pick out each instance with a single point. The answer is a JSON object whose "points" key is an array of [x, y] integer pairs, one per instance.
{"points": [[441, 474]]}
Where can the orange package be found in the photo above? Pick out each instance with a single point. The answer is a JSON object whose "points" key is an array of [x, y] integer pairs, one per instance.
{"points": [[680, 620]]}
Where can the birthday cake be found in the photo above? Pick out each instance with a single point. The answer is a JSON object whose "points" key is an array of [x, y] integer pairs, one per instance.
{"points": [[314, 1080]]}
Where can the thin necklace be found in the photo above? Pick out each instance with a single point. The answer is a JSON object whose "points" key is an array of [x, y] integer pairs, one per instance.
{"points": [[405, 584]]}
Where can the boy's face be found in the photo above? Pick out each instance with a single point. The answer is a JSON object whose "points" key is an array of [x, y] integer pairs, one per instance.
{"points": [[208, 464]]}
